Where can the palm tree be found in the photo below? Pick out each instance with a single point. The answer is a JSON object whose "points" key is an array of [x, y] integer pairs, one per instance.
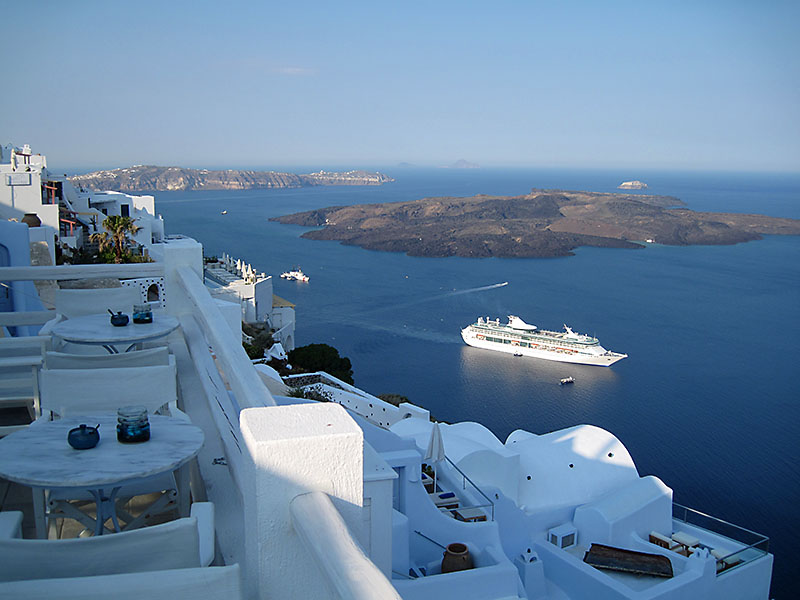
{"points": [[115, 235]]}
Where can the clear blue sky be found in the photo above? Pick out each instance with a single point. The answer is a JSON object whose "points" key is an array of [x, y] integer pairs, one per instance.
{"points": [[647, 84]]}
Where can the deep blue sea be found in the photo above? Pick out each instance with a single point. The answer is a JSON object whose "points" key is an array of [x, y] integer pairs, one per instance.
{"points": [[708, 399]]}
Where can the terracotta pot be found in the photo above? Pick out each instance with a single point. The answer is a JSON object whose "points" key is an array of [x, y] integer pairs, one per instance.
{"points": [[31, 220], [456, 558]]}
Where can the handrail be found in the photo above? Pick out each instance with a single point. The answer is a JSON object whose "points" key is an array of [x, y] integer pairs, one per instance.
{"points": [[250, 392], [36, 317], [62, 272], [735, 533], [472, 483], [351, 574], [687, 510]]}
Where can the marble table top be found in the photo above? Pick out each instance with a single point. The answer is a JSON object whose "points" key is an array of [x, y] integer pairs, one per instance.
{"points": [[40, 456], [97, 329]]}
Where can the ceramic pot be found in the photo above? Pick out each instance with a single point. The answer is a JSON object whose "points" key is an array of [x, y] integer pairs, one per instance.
{"points": [[32, 220], [456, 558]]}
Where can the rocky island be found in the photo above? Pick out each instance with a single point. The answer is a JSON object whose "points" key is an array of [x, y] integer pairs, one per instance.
{"points": [[544, 223], [144, 178]]}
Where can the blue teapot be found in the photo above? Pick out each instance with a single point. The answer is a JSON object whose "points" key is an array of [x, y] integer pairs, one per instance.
{"points": [[119, 319], [83, 437]]}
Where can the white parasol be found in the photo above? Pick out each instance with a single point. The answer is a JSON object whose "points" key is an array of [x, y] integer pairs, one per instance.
{"points": [[435, 451]]}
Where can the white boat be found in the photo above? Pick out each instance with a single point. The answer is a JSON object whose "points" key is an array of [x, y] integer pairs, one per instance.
{"points": [[301, 498], [518, 337], [295, 274], [567, 380], [224, 212]]}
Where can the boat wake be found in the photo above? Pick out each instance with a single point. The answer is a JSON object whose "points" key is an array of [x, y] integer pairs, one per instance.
{"points": [[472, 290], [482, 288]]}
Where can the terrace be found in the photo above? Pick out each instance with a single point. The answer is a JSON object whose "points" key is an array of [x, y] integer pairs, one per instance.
{"points": [[286, 482]]}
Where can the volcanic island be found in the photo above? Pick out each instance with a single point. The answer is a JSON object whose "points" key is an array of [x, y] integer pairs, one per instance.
{"points": [[542, 224]]}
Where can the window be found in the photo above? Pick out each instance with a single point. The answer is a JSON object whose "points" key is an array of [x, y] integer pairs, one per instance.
{"points": [[125, 210]]}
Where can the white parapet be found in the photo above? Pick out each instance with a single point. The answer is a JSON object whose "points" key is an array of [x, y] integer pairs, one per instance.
{"points": [[293, 450]]}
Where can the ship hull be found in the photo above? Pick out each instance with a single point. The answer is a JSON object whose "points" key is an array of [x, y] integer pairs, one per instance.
{"points": [[605, 359]]}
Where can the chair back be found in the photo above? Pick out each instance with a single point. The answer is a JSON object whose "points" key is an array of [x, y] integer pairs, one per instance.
{"points": [[68, 392], [211, 583], [173, 545], [79, 303], [150, 357]]}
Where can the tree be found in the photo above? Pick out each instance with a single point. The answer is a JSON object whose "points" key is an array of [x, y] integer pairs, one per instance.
{"points": [[322, 357], [115, 236]]}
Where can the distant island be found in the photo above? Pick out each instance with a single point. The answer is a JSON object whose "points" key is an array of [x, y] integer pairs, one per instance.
{"points": [[544, 223], [143, 178], [632, 185], [463, 164]]}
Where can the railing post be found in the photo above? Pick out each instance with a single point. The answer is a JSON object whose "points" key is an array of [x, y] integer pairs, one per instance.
{"points": [[293, 450]]}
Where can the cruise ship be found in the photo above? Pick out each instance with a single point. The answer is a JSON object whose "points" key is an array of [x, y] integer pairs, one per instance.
{"points": [[519, 338], [333, 495]]}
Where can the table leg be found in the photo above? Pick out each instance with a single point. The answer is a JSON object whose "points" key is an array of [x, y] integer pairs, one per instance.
{"points": [[39, 514], [106, 507], [184, 501]]}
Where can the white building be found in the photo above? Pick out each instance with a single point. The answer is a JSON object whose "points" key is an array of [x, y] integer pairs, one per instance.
{"points": [[236, 281], [68, 215]]}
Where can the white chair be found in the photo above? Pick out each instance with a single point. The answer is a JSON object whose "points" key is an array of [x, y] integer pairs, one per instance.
{"points": [[150, 357], [20, 360], [79, 303], [68, 392], [174, 545], [208, 583]]}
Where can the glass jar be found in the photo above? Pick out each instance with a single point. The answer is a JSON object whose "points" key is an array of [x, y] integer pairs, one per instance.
{"points": [[132, 424], [142, 313]]}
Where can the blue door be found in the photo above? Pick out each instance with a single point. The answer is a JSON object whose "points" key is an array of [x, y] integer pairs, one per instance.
{"points": [[6, 302]]}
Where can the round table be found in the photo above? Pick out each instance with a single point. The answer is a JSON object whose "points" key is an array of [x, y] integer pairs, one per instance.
{"points": [[98, 330], [41, 458]]}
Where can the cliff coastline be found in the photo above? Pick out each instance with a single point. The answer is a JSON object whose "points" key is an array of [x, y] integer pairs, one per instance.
{"points": [[144, 178]]}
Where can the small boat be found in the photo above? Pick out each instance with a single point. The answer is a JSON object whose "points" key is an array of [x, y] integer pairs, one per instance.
{"points": [[295, 275], [517, 353], [224, 212], [567, 380]]}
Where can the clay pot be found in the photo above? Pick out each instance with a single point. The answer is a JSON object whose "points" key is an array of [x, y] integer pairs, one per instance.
{"points": [[32, 220], [456, 558]]}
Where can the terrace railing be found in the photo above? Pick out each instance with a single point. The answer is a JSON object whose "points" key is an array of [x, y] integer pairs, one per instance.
{"points": [[755, 545], [467, 483]]}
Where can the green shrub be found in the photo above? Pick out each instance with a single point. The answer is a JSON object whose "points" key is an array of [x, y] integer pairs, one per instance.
{"points": [[322, 357]]}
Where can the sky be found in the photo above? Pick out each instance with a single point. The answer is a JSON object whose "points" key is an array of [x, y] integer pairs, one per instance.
{"points": [[697, 85]]}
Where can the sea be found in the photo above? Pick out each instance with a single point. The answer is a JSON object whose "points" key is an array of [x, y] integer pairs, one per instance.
{"points": [[708, 399]]}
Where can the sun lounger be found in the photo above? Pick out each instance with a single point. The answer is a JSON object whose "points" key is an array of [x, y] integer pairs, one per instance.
{"points": [[445, 500], [725, 558]]}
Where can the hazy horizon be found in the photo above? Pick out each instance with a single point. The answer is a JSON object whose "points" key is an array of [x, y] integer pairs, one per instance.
{"points": [[623, 85]]}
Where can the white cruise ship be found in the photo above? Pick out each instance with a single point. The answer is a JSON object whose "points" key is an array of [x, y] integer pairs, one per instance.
{"points": [[520, 338]]}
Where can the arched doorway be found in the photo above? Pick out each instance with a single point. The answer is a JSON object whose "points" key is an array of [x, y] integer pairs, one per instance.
{"points": [[153, 293]]}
